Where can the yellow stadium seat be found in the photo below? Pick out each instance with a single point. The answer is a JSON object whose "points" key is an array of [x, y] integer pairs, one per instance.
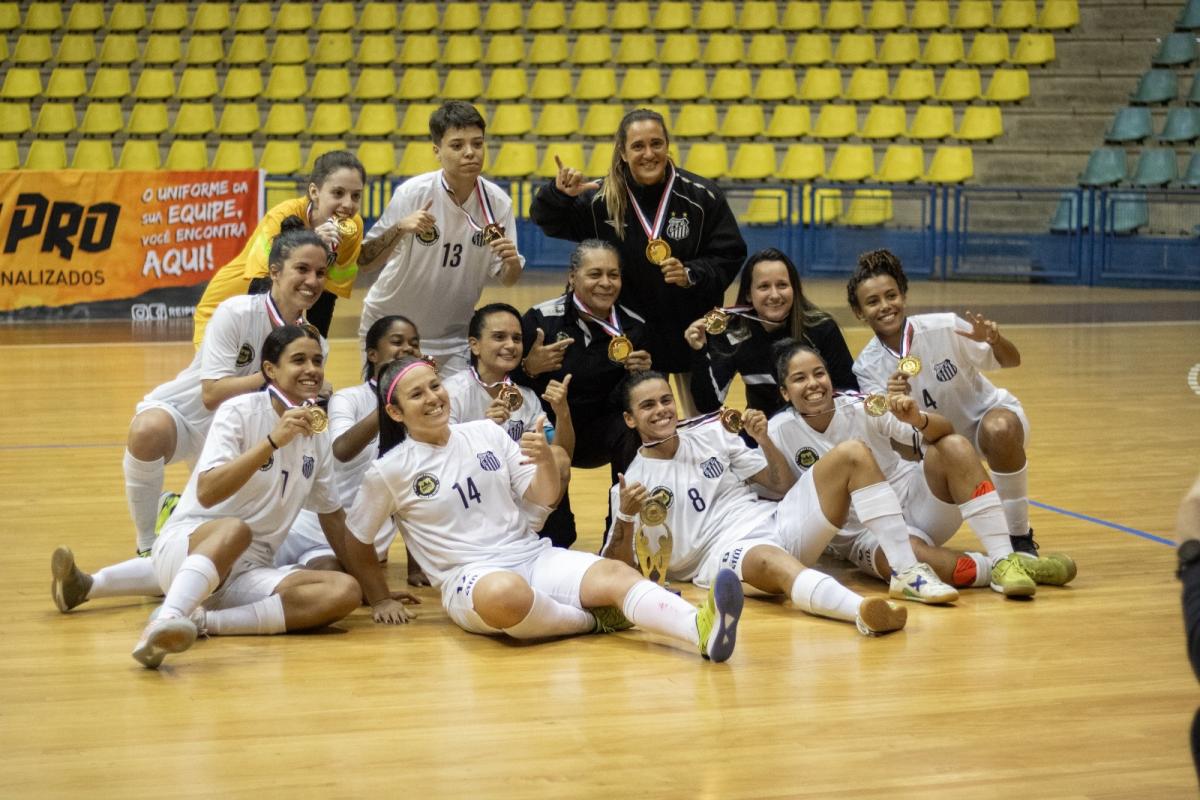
{"points": [[723, 49], [867, 84], [1059, 15], [844, 15], [118, 49], [775, 84], [988, 49], [290, 48], [93, 154], [418, 17], [942, 49], [630, 16], [822, 207], [511, 119], [375, 83], [148, 119], [419, 49], [673, 15], [335, 18], [418, 84], [960, 86], [247, 49], [463, 84], [789, 122], [803, 162], [234, 155], [204, 50], [913, 85], [973, 15], [801, 15], [602, 120], [929, 15], [3, 49], [592, 49], [376, 119], [820, 84], [951, 164], [548, 49], [595, 83], [187, 154], [505, 50], [753, 162], [868, 208], [10, 17], [169, 17], [836, 121], [506, 83], [1034, 50], [980, 124], [194, 119], [902, 163], [664, 111], [162, 49], [252, 18], [685, 84], [599, 161], [32, 48], [899, 49], [85, 17], [514, 160], [812, 49], [462, 49], [1016, 15], [9, 158], [587, 15], [554, 83], [293, 17], [1008, 86], [378, 17], [855, 49], [127, 17], [286, 119], [334, 49], [758, 15], [640, 84], [766, 207], [330, 120], [696, 121], [766, 50], [886, 15], [884, 122], [21, 83], [558, 120], [330, 84], [286, 82], [280, 157], [680, 49], [569, 152], [242, 83], [140, 155], [66, 83], [502, 17], [110, 83], [155, 84], [636, 49], [932, 122], [852, 162], [458, 16], [730, 84], [710, 159], [211, 18], [17, 119], [55, 119], [378, 158], [44, 17], [415, 123], [318, 149], [715, 15], [46, 154], [379, 50], [239, 120], [546, 16]]}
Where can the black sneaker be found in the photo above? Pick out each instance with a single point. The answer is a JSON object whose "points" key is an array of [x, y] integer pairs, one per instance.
{"points": [[1025, 544]]}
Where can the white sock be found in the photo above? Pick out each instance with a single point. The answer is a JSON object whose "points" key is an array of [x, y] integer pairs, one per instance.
{"points": [[984, 515], [196, 580], [878, 509], [261, 618], [548, 617], [818, 593], [653, 608], [132, 577], [1013, 488], [143, 486], [983, 569]]}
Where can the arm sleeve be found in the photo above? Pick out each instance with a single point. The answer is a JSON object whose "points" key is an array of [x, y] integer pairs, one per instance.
{"points": [[323, 497], [561, 216], [867, 383], [260, 248], [978, 354], [827, 337], [372, 506], [222, 342], [520, 475], [745, 462], [225, 440], [342, 414], [722, 251]]}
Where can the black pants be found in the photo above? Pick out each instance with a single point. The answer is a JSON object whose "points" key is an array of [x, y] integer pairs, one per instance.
{"points": [[321, 314], [1191, 622]]}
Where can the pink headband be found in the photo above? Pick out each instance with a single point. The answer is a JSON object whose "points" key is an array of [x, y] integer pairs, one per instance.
{"points": [[401, 374]]}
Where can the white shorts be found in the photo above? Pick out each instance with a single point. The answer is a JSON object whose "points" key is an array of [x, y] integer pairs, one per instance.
{"points": [[1009, 402], [306, 541], [928, 518], [248, 581], [800, 524], [189, 440], [553, 571]]}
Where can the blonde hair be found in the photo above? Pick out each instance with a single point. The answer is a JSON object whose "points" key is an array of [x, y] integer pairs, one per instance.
{"points": [[615, 189]]}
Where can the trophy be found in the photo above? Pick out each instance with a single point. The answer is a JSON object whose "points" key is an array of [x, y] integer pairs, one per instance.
{"points": [[654, 564]]}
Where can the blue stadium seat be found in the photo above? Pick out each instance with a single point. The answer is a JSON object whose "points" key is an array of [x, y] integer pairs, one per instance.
{"points": [[1106, 167], [1182, 125], [1156, 167], [1177, 49], [1131, 124], [1191, 176], [1156, 86], [1128, 213]]}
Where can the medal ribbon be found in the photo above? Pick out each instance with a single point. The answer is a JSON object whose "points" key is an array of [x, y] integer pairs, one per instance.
{"points": [[611, 326], [905, 341], [281, 397], [505, 381], [685, 424], [742, 311], [488, 215], [277, 320], [661, 214]]}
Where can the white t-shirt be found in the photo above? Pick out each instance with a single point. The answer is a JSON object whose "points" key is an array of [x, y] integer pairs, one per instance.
{"points": [[459, 503], [949, 382], [436, 280], [804, 445], [297, 475], [707, 491], [469, 401]]}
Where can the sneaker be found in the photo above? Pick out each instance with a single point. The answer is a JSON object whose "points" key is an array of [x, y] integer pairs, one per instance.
{"points": [[166, 507], [609, 619], [921, 584], [199, 618], [1052, 569], [717, 617], [877, 616], [1010, 578], [1025, 544], [71, 585], [163, 636]]}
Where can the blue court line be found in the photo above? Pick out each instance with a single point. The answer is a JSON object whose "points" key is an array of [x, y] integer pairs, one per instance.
{"points": [[58, 446], [1104, 522]]}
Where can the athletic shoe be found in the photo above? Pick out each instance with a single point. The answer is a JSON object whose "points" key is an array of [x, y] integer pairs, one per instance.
{"points": [[166, 507], [1052, 569], [1025, 544], [717, 617], [71, 585], [921, 584], [877, 616], [608, 619], [161, 637], [1010, 578], [199, 618]]}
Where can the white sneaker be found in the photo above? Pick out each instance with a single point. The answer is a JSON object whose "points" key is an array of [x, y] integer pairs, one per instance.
{"points": [[921, 584], [877, 616], [163, 636]]}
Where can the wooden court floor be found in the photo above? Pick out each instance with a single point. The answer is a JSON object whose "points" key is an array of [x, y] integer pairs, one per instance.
{"points": [[1083, 692]]}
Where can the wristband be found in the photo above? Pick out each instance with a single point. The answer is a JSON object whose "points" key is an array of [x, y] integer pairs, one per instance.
{"points": [[623, 517], [926, 425], [271, 442]]}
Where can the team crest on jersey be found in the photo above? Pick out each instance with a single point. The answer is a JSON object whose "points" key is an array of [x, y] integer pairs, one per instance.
{"points": [[678, 227], [712, 468], [562, 336], [664, 494], [307, 467], [477, 239], [426, 485], [488, 460], [430, 237], [245, 354], [516, 427], [270, 463], [945, 371], [806, 457]]}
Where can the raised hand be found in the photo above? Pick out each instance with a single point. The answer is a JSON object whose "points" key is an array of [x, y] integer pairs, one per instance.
{"points": [[546, 358], [638, 361], [904, 408], [570, 181], [754, 422], [292, 423], [982, 329], [534, 446], [695, 335], [420, 222], [556, 395], [632, 496]]}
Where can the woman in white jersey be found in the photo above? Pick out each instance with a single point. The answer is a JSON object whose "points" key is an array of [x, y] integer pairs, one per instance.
{"points": [[700, 472], [937, 495], [458, 490], [171, 422]]}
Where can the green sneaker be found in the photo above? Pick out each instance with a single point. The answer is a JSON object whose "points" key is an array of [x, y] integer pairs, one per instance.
{"points": [[717, 617], [166, 507], [609, 619], [1052, 569], [71, 585], [1010, 579]]}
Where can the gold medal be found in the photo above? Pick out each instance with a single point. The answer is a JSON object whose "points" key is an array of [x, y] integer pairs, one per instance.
{"points": [[731, 419], [875, 404], [347, 227], [909, 365], [620, 349], [317, 419], [511, 397], [716, 321], [491, 232], [654, 512], [657, 251]]}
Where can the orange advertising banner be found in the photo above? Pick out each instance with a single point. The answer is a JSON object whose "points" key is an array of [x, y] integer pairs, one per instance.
{"points": [[76, 236]]}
